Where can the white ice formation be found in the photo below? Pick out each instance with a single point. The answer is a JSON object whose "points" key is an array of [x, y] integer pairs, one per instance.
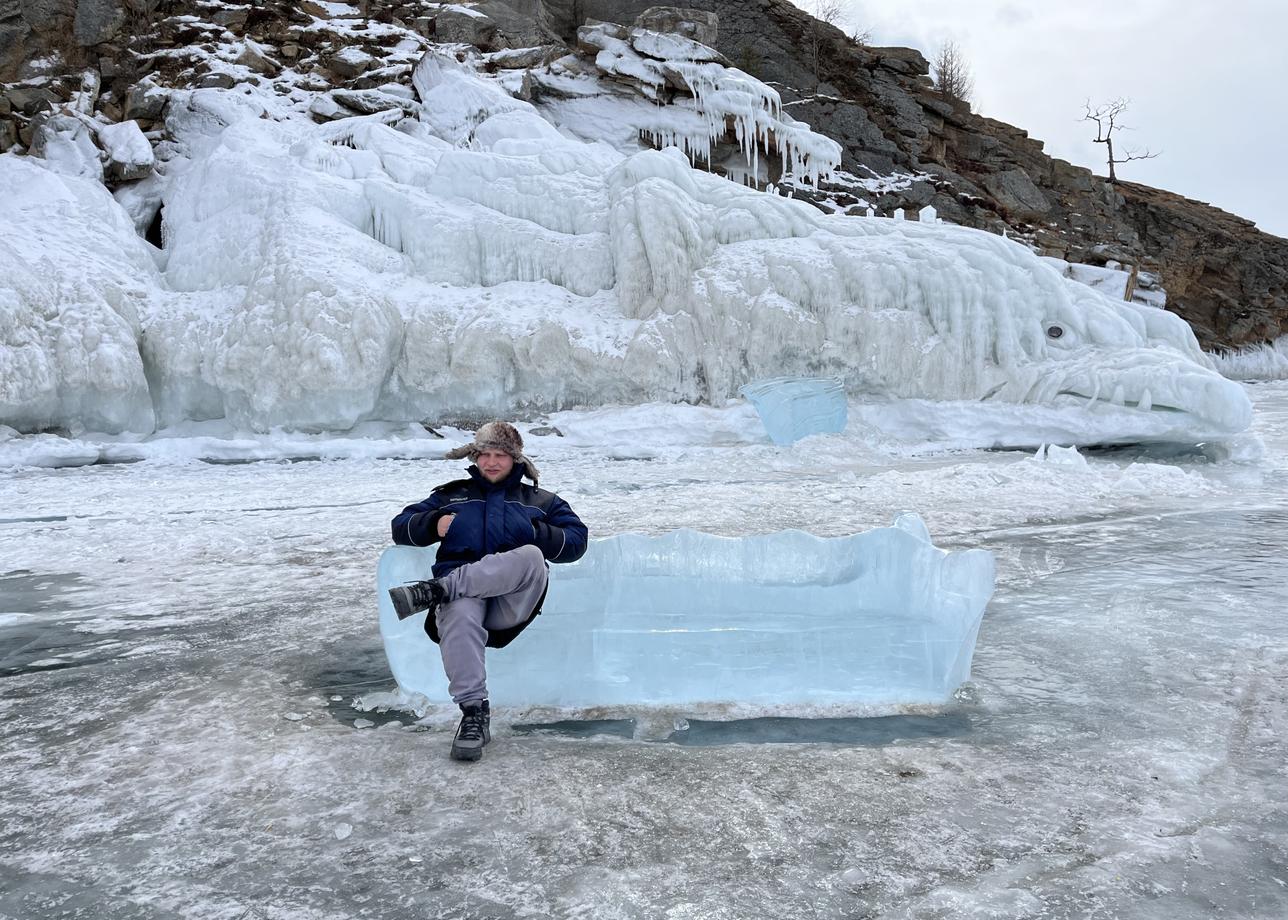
{"points": [[468, 252], [75, 282], [1256, 362], [880, 618]]}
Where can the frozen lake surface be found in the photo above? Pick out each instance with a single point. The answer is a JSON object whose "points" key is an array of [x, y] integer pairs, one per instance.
{"points": [[181, 644]]}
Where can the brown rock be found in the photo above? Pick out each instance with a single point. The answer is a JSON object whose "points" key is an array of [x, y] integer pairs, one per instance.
{"points": [[233, 19], [15, 37], [701, 26], [97, 21], [217, 81], [256, 57], [516, 26], [145, 101], [29, 99], [522, 58], [1016, 194], [348, 63], [465, 27], [902, 60]]}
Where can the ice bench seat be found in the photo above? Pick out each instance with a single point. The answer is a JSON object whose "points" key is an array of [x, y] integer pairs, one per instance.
{"points": [[689, 619]]}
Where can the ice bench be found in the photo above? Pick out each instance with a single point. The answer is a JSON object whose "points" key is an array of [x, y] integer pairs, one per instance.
{"points": [[688, 619]]}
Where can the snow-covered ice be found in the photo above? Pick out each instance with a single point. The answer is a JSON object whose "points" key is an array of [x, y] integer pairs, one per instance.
{"points": [[687, 619], [1118, 752]]}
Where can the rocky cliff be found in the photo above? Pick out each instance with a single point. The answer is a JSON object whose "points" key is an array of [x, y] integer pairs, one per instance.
{"points": [[1229, 280]]}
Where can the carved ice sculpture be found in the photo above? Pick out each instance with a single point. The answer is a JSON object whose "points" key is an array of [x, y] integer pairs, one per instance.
{"points": [[688, 619], [796, 407]]}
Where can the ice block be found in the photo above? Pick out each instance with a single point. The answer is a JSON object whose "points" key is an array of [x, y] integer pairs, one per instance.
{"points": [[795, 407], [690, 619]]}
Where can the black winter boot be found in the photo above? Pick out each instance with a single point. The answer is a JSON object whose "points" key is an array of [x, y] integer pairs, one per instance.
{"points": [[473, 732], [417, 596]]}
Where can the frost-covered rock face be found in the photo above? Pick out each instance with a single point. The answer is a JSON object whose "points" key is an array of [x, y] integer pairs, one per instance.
{"points": [[679, 93], [479, 258]]}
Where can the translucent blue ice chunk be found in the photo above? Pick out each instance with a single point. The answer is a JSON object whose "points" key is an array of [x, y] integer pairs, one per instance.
{"points": [[796, 407], [694, 620]]}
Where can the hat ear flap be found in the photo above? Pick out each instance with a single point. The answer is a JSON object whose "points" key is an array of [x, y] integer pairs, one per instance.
{"points": [[457, 453], [529, 468]]}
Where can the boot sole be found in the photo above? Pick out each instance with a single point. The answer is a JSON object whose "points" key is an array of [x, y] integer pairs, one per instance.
{"points": [[467, 755], [402, 603]]}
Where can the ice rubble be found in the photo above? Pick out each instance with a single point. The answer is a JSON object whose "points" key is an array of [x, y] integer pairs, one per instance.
{"points": [[792, 408], [691, 619], [480, 258]]}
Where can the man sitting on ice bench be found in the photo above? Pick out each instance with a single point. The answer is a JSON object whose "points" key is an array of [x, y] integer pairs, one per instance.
{"points": [[495, 535]]}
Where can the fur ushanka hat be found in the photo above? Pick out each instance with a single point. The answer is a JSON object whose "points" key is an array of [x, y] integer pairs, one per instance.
{"points": [[500, 436]]}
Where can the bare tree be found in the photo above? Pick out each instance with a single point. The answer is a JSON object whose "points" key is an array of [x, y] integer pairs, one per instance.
{"points": [[1106, 119], [952, 74], [826, 12]]}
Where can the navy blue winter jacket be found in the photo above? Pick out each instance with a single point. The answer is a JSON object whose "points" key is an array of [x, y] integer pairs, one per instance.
{"points": [[491, 518]]}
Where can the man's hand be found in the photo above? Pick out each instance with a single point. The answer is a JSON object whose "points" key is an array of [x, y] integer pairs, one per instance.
{"points": [[443, 523]]}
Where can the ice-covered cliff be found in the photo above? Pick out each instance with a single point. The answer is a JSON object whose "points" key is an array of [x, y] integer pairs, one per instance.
{"points": [[460, 250]]}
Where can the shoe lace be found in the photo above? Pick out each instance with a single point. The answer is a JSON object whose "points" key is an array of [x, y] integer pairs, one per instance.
{"points": [[422, 595], [471, 726]]}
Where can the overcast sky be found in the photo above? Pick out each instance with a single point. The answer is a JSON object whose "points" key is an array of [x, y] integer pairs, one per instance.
{"points": [[1206, 78]]}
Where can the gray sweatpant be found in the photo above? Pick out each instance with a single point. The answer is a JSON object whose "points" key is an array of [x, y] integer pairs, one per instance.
{"points": [[497, 592]]}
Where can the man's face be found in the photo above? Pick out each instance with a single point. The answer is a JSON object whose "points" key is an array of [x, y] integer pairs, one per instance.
{"points": [[495, 465]]}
